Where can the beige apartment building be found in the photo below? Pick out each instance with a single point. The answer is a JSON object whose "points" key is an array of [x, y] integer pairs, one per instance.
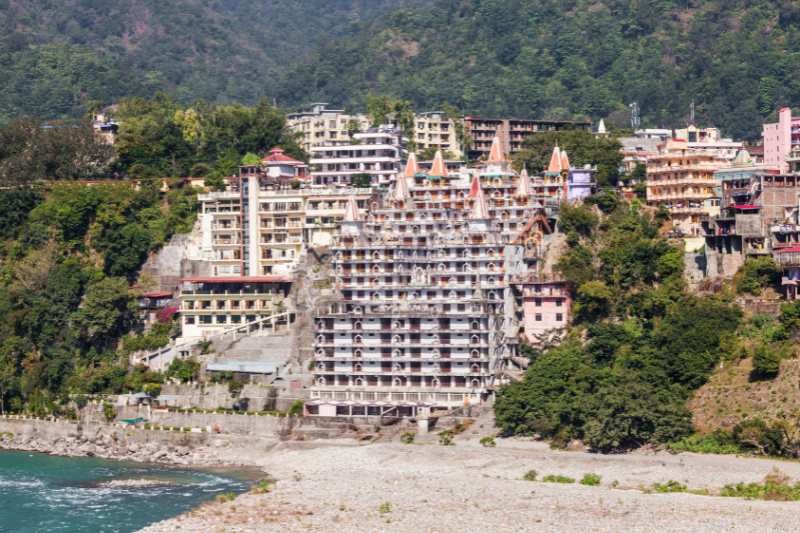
{"points": [[436, 130], [319, 125], [681, 179]]}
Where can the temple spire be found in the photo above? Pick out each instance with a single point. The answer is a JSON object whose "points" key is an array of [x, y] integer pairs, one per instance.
{"points": [[480, 209], [564, 160], [474, 186], [438, 169], [411, 166], [524, 188], [401, 192], [555, 166], [496, 152]]}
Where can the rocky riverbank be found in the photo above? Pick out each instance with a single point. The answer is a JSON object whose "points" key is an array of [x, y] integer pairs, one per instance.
{"points": [[466, 487], [152, 446]]}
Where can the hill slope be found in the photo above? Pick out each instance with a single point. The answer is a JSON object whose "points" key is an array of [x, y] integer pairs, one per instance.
{"points": [[58, 56], [738, 60]]}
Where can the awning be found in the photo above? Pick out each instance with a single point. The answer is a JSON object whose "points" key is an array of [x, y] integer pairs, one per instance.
{"points": [[747, 206]]}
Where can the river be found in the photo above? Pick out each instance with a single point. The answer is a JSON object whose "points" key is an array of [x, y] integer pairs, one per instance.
{"points": [[41, 492]]}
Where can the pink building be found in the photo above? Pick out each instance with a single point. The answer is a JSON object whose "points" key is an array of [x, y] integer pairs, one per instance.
{"points": [[779, 139], [545, 305]]}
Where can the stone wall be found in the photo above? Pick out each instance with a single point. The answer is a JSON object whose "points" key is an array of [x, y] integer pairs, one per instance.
{"points": [[215, 396], [236, 424]]}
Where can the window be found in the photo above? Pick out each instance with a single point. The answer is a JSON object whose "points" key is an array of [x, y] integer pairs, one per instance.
{"points": [[538, 317], [190, 320], [538, 302], [558, 302], [559, 317]]}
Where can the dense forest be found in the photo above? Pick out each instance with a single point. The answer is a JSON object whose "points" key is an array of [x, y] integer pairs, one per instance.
{"points": [[62, 57], [737, 60], [641, 343], [71, 251]]}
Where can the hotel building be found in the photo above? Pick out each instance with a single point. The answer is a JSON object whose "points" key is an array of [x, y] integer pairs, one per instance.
{"points": [[426, 318]]}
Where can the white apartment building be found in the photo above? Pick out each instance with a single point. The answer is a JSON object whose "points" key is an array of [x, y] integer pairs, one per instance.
{"points": [[377, 153], [319, 125], [258, 227]]}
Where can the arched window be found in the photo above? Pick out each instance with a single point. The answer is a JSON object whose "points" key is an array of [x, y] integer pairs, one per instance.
{"points": [[475, 325], [476, 383], [475, 369], [320, 339], [358, 339], [357, 325], [359, 382], [357, 367], [475, 353], [357, 354], [435, 353], [397, 339], [321, 381], [397, 353], [436, 383], [474, 340]]}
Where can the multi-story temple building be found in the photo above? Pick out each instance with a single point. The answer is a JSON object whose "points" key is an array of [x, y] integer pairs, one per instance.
{"points": [[426, 319]]}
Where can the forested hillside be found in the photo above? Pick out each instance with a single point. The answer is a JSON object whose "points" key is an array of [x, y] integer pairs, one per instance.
{"points": [[59, 56], [737, 59]]}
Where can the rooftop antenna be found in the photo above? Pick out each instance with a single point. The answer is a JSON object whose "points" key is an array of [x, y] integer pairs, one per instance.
{"points": [[636, 120]]}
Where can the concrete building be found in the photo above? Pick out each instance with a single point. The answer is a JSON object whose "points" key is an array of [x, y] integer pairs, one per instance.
{"points": [[266, 219], [681, 179], [211, 305], [780, 138], [436, 130], [426, 320], [376, 153], [545, 305], [757, 217], [510, 131], [319, 125]]}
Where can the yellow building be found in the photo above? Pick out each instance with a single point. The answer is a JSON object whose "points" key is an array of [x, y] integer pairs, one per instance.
{"points": [[435, 130], [319, 125], [681, 179]]}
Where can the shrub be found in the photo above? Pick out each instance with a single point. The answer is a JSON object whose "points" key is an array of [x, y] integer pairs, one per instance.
{"points": [[720, 442], [530, 475], [109, 411], [262, 487], [669, 486], [557, 478], [226, 497], [407, 438], [757, 435], [767, 360], [756, 274], [446, 438], [488, 442], [590, 480], [296, 409], [775, 487], [385, 508]]}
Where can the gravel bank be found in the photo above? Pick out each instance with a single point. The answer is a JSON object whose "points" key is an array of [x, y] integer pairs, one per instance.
{"points": [[396, 487]]}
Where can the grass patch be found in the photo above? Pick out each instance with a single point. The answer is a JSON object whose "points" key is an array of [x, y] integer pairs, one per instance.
{"points": [[446, 438], [225, 497], [488, 442], [262, 487], [530, 475], [669, 486], [407, 438], [775, 487], [720, 442], [385, 508], [590, 479], [557, 478]]}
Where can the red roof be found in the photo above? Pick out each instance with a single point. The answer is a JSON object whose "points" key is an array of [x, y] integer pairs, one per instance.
{"points": [[277, 155], [239, 279], [790, 249], [747, 206], [157, 294]]}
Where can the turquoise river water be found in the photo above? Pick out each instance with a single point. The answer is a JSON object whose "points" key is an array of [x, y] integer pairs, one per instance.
{"points": [[43, 493]]}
